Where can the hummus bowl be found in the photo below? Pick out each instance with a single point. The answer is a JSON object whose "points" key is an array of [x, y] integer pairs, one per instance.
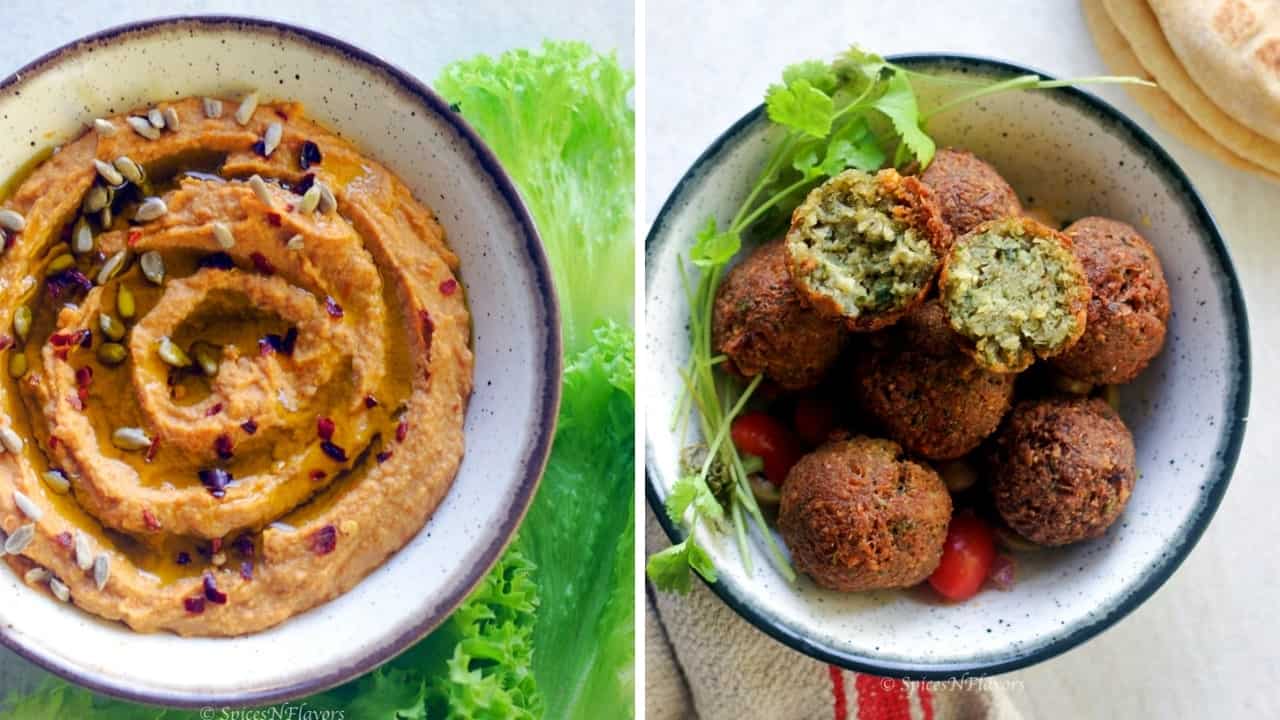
{"points": [[282, 361], [1075, 156]]}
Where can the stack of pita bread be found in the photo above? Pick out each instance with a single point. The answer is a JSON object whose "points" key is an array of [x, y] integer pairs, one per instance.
{"points": [[1217, 64]]}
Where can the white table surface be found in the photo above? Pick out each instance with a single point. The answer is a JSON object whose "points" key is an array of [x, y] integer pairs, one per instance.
{"points": [[418, 36], [1206, 644]]}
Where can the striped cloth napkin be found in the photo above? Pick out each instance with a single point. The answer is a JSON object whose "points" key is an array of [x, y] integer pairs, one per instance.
{"points": [[703, 661]]}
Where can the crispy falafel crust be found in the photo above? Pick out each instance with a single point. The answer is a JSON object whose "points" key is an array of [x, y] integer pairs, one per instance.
{"points": [[908, 203], [1129, 309], [969, 190], [763, 326], [857, 515], [1062, 469]]}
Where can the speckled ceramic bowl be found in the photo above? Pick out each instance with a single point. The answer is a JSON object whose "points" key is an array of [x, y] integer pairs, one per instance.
{"points": [[1077, 156], [395, 118]]}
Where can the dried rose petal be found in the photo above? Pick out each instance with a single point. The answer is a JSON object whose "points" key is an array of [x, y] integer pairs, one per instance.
{"points": [[215, 480], [335, 452], [309, 155], [211, 591], [324, 540], [402, 431], [305, 183], [149, 520], [215, 544], [6, 342], [325, 427], [243, 545], [193, 605], [260, 148], [75, 401], [260, 261], [370, 401], [332, 307], [318, 475], [213, 410], [448, 287], [250, 426], [60, 339], [246, 570], [84, 376], [65, 540], [222, 446], [267, 345], [134, 237], [152, 449], [383, 456]]}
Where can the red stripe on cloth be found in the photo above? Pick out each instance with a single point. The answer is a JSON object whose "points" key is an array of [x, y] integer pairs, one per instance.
{"points": [[926, 700], [840, 705], [881, 698]]}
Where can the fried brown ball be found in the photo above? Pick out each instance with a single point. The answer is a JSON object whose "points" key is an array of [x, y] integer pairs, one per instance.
{"points": [[969, 190], [858, 515], [761, 324], [925, 392], [1062, 469], [1129, 311], [866, 248]]}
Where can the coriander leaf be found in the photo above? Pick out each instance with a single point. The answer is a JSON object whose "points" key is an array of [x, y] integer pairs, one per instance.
{"points": [[898, 103], [670, 569], [682, 495], [853, 146], [714, 248], [858, 63], [800, 106], [818, 73], [700, 561], [806, 162]]}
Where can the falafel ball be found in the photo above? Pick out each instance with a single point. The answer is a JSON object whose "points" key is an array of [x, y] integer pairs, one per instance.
{"points": [[1129, 310], [866, 248], [1062, 469], [969, 190], [925, 392], [858, 515], [761, 324], [1014, 289]]}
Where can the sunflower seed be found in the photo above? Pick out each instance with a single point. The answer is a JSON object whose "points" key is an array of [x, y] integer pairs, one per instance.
{"points": [[36, 575], [130, 438], [82, 237], [57, 481], [28, 506], [310, 199], [108, 172], [171, 120], [271, 138], [11, 440], [280, 526], [59, 589], [12, 220], [259, 187], [22, 322], [223, 235], [20, 539], [328, 203], [172, 354], [105, 128], [156, 118], [97, 198], [131, 170], [101, 570], [112, 266], [141, 126], [295, 243], [84, 553], [151, 209], [105, 217], [248, 104], [212, 107], [152, 266]]}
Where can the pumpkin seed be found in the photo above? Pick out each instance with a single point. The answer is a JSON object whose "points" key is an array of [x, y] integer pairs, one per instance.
{"points": [[110, 353], [156, 118], [141, 126], [112, 267], [223, 235], [28, 506], [248, 104], [295, 243], [11, 440], [171, 119], [20, 539], [212, 107], [12, 220], [271, 138], [172, 354], [151, 209], [35, 575], [59, 589], [101, 570], [17, 365], [22, 322], [310, 199], [58, 264], [105, 128], [131, 170], [259, 187], [82, 237], [152, 266], [108, 172], [207, 356], [57, 481], [111, 327], [125, 304], [130, 438], [83, 552]]}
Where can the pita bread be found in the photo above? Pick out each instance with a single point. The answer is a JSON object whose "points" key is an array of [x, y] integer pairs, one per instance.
{"points": [[1231, 48], [1120, 59], [1134, 20]]}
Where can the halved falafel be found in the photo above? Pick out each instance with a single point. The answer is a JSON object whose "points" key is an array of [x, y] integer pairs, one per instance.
{"points": [[925, 392], [866, 248], [1014, 289], [763, 326], [858, 515], [1062, 469], [1129, 308], [969, 190]]}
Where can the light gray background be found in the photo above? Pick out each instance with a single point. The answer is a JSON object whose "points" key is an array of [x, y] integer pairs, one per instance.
{"points": [[420, 37], [1206, 645]]}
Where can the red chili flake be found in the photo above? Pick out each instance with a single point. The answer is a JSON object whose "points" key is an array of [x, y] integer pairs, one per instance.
{"points": [[222, 446], [332, 307], [53, 442], [150, 520], [325, 427], [335, 452], [383, 456], [250, 426], [84, 376], [6, 342], [211, 591], [152, 449], [246, 570], [324, 540], [61, 353], [193, 605], [428, 328], [274, 219], [75, 401], [65, 540], [448, 287], [402, 431], [215, 545], [214, 409], [184, 558], [318, 475], [134, 237], [261, 262], [370, 401]]}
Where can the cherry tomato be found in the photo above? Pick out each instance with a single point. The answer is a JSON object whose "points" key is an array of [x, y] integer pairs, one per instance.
{"points": [[967, 555], [761, 434], [813, 419]]}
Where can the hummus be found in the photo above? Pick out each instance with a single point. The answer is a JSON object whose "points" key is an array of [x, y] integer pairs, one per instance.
{"points": [[234, 365]]}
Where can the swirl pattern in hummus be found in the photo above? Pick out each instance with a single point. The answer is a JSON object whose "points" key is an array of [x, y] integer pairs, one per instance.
{"points": [[259, 405]]}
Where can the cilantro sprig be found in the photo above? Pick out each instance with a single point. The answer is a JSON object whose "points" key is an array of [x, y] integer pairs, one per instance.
{"points": [[859, 111]]}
